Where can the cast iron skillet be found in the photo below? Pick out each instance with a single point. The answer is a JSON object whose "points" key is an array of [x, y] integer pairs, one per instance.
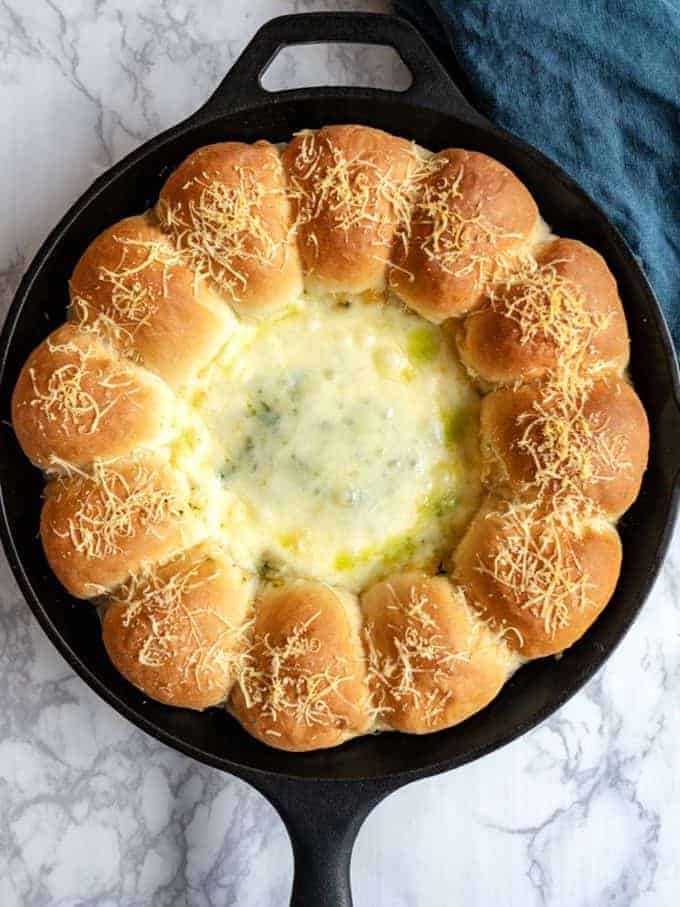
{"points": [[324, 797]]}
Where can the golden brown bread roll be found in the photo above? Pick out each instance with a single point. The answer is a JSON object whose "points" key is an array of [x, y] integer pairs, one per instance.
{"points": [[76, 400], [98, 528], [132, 286], [542, 577], [471, 214], [303, 684], [560, 311], [226, 208], [176, 631], [349, 189], [432, 661], [590, 441]]}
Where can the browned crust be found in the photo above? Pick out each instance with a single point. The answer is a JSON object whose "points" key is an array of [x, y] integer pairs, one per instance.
{"points": [[177, 631], [303, 685], [591, 442], [470, 215], [543, 578], [76, 400], [349, 188], [432, 661], [132, 286], [575, 321], [98, 528], [227, 209]]}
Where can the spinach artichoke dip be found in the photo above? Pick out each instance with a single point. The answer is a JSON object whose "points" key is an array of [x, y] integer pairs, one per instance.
{"points": [[343, 436]]}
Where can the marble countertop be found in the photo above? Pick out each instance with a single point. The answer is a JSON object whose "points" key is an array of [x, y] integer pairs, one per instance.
{"points": [[583, 812]]}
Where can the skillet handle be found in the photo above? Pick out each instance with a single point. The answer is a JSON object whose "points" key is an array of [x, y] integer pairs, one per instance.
{"points": [[431, 87], [323, 819]]}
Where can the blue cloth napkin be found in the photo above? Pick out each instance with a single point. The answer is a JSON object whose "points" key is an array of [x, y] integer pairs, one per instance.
{"points": [[595, 84]]}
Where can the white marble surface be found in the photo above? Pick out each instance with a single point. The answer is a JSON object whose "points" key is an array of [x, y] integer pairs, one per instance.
{"points": [[583, 812]]}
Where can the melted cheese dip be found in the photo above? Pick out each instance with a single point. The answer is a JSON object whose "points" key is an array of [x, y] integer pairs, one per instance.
{"points": [[340, 441]]}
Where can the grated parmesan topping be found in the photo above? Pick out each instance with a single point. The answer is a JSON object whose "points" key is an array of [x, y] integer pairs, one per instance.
{"points": [[280, 680], [569, 448], [549, 308], [134, 299], [226, 230], [74, 392], [535, 562], [118, 510], [353, 192], [418, 673], [178, 634], [457, 241]]}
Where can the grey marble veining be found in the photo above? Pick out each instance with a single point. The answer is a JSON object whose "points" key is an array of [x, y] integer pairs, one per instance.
{"points": [[583, 812]]}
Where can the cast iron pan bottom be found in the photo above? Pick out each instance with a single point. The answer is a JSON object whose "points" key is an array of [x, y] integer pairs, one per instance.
{"points": [[323, 797]]}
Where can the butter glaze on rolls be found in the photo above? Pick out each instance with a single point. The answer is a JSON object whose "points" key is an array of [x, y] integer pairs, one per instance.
{"points": [[298, 511]]}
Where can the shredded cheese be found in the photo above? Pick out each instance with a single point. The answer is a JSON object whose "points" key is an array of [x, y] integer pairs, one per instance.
{"points": [[534, 560], [114, 508], [281, 682], [79, 394], [226, 231]]}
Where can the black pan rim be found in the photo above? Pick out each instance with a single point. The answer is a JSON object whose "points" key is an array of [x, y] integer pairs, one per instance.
{"points": [[394, 778]]}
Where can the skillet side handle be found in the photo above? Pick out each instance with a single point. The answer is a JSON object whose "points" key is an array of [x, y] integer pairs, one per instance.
{"points": [[432, 85], [323, 819]]}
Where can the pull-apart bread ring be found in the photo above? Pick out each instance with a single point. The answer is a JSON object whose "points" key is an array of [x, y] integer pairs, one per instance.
{"points": [[132, 286], [76, 401], [432, 661], [194, 435], [176, 630], [302, 684]]}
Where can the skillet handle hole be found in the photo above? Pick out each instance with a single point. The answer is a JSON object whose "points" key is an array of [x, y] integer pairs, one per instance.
{"points": [[343, 64]]}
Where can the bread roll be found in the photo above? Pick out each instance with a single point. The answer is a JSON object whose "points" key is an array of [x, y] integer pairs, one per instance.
{"points": [[589, 442], [100, 527], [432, 661], [227, 209], [176, 631], [303, 685], [558, 312], [471, 215], [542, 578], [133, 287], [76, 400], [350, 190]]}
